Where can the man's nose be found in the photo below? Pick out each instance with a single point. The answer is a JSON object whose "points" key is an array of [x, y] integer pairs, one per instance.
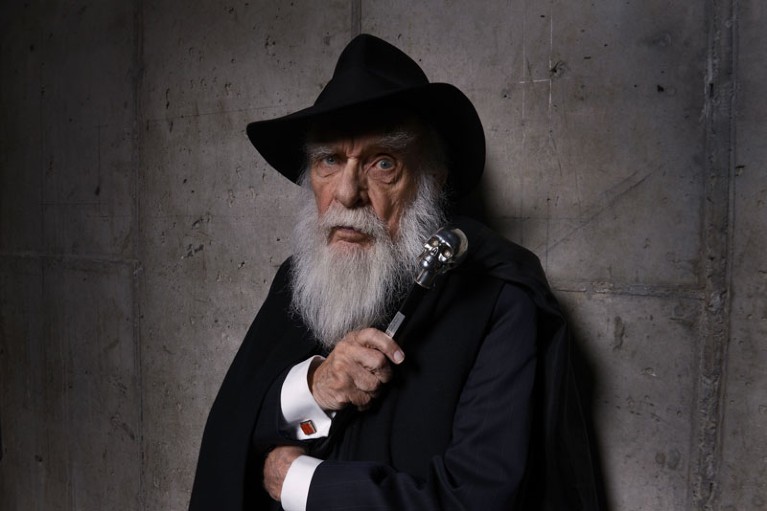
{"points": [[351, 190]]}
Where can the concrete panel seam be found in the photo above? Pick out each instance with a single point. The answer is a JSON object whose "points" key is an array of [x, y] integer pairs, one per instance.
{"points": [[138, 63], [718, 112], [72, 259], [356, 18], [612, 288]]}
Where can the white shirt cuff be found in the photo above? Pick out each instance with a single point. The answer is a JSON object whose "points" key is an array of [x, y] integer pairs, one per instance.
{"points": [[299, 407], [295, 487]]}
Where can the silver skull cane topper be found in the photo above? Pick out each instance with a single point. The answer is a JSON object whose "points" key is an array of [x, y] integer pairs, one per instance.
{"points": [[442, 252]]}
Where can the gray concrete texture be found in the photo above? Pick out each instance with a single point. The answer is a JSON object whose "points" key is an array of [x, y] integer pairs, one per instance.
{"points": [[139, 230]]}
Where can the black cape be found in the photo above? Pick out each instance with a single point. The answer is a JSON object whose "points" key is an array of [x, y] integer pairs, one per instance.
{"points": [[561, 470]]}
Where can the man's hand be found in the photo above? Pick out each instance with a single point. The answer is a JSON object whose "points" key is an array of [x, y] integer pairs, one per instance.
{"points": [[355, 370], [276, 467]]}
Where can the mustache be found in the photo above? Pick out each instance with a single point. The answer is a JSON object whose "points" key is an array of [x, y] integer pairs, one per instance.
{"points": [[363, 220]]}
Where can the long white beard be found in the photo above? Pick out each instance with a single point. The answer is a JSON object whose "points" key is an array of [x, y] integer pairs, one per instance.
{"points": [[337, 290]]}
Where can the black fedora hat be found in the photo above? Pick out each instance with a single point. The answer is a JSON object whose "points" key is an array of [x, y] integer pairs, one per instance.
{"points": [[372, 72]]}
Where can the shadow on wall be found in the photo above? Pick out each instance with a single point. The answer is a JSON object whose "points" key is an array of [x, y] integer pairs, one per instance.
{"points": [[588, 381]]}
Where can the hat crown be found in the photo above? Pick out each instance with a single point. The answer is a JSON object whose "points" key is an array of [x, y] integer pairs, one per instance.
{"points": [[369, 67]]}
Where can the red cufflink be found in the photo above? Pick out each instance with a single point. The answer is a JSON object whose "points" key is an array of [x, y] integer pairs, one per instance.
{"points": [[308, 427]]}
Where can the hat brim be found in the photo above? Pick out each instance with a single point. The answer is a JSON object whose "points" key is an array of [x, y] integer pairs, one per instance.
{"points": [[281, 141]]}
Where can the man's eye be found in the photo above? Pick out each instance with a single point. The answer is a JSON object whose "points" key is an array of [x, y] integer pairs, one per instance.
{"points": [[385, 164], [330, 160]]}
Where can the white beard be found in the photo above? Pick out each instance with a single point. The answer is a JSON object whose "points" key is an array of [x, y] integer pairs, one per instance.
{"points": [[337, 290]]}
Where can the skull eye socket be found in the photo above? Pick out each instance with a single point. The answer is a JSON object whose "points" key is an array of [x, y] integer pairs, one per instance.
{"points": [[440, 249]]}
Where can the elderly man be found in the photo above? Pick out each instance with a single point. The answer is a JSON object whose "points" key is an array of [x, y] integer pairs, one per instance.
{"points": [[473, 406]]}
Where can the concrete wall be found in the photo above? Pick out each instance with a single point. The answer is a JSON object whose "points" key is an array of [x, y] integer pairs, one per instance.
{"points": [[139, 230]]}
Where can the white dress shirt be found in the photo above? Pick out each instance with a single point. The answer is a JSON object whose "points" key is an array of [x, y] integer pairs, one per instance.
{"points": [[299, 407]]}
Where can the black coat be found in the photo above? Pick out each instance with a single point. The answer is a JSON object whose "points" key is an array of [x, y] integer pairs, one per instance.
{"points": [[483, 413]]}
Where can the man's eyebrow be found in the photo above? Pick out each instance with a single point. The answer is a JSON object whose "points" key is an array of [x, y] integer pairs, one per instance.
{"points": [[396, 141], [316, 151]]}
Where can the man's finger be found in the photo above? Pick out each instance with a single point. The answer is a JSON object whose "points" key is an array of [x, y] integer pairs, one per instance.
{"points": [[376, 339], [365, 380]]}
